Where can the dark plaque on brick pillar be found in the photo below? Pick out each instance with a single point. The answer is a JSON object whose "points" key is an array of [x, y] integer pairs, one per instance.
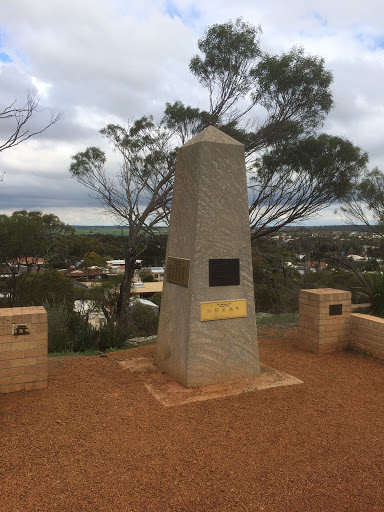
{"points": [[224, 272], [335, 309]]}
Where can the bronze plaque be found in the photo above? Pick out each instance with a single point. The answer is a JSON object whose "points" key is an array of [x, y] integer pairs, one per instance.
{"points": [[223, 310], [224, 272], [177, 271], [335, 309]]}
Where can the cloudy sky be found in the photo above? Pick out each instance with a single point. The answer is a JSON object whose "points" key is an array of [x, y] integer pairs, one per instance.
{"points": [[113, 60]]}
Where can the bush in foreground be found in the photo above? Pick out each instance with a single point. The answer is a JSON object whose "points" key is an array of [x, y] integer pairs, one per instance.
{"points": [[69, 331]]}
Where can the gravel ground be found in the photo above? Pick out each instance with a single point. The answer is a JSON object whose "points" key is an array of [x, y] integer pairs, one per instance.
{"points": [[97, 440]]}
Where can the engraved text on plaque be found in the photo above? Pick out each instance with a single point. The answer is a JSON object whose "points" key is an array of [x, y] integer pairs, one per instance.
{"points": [[177, 271], [223, 310]]}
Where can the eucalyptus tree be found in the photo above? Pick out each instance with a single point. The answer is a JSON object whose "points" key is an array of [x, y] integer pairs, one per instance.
{"points": [[365, 203], [275, 105], [138, 195]]}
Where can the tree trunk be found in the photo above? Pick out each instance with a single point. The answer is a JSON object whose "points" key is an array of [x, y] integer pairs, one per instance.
{"points": [[123, 301]]}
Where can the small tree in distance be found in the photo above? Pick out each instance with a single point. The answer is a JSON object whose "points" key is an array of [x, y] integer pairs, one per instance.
{"points": [[24, 238], [139, 196]]}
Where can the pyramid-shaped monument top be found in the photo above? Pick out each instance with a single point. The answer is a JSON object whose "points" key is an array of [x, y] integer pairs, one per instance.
{"points": [[212, 134]]}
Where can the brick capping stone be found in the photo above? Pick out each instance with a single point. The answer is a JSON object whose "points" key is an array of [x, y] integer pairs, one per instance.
{"points": [[23, 357]]}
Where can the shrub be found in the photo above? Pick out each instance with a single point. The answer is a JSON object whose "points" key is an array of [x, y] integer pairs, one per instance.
{"points": [[111, 336], [143, 320], [146, 275], [375, 292], [338, 279], [156, 298], [69, 331]]}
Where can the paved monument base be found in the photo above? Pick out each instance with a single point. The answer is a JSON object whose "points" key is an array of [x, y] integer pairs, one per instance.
{"points": [[170, 393]]}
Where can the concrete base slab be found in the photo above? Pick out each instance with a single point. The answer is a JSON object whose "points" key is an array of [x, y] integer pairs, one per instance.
{"points": [[170, 393]]}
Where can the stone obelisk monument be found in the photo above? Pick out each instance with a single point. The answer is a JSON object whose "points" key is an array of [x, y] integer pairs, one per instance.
{"points": [[207, 328]]}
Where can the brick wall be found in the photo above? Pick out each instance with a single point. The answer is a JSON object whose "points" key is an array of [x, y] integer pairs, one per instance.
{"points": [[23, 358], [367, 334], [324, 319]]}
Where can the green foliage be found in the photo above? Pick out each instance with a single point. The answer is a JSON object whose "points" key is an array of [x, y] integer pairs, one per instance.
{"points": [[153, 252], [278, 320], [93, 259], [315, 171], [225, 47], [226, 70], [284, 82], [111, 336], [365, 203], [185, 121], [146, 275], [29, 234], [276, 283], [86, 161], [106, 294], [338, 279], [330, 163], [69, 331], [301, 172], [144, 176], [148, 278], [49, 286], [156, 298], [375, 292], [143, 321], [25, 237]]}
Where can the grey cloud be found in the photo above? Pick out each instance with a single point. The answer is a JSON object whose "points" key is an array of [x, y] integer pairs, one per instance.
{"points": [[101, 62]]}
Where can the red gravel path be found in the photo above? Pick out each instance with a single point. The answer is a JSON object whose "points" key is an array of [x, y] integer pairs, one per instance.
{"points": [[96, 440]]}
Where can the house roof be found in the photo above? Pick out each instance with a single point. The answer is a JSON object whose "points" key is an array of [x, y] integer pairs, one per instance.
{"points": [[147, 287], [314, 264], [28, 259], [76, 273]]}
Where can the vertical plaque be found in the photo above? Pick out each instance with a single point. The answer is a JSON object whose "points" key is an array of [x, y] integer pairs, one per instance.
{"points": [[177, 271]]}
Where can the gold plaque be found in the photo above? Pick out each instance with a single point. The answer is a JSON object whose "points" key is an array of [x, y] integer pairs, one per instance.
{"points": [[177, 271], [223, 309]]}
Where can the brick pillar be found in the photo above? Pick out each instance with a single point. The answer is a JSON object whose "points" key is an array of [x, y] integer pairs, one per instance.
{"points": [[324, 319], [23, 357]]}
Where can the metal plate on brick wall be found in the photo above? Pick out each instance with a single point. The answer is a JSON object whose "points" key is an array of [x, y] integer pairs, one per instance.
{"points": [[335, 309]]}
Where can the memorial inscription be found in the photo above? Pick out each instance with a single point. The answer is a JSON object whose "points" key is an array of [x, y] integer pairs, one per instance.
{"points": [[335, 309], [223, 310], [177, 271], [224, 272]]}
